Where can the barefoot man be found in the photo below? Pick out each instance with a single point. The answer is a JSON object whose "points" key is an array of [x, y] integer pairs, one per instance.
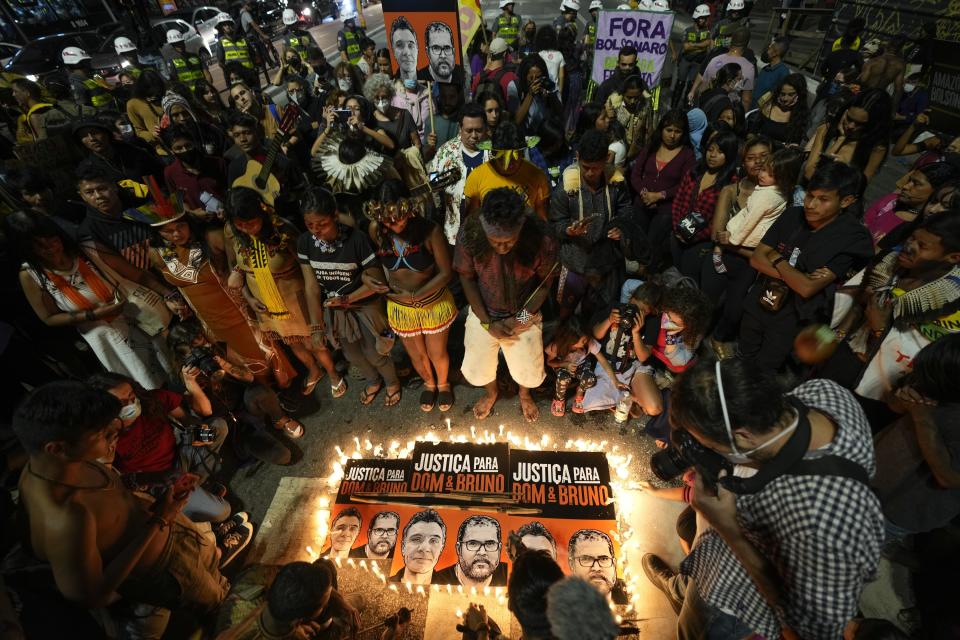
{"points": [[506, 262], [100, 539]]}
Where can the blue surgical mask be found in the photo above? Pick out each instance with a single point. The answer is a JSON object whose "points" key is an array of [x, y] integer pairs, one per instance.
{"points": [[410, 83], [130, 412]]}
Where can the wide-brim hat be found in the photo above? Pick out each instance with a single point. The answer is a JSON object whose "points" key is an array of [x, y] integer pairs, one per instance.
{"points": [[160, 209]]}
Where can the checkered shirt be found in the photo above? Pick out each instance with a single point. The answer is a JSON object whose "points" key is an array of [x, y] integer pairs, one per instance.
{"points": [[822, 533]]}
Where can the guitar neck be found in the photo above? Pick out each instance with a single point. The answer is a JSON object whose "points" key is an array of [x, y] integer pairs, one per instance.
{"points": [[272, 152]]}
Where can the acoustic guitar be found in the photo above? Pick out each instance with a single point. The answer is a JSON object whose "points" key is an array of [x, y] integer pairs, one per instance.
{"points": [[258, 176]]}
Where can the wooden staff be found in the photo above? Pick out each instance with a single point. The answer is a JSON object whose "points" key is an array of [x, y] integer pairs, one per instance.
{"points": [[430, 102]]}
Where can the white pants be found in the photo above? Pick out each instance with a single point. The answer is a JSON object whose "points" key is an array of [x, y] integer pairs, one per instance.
{"points": [[523, 353]]}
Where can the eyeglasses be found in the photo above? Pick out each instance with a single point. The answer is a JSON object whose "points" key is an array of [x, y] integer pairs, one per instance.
{"points": [[474, 545], [604, 562], [438, 50], [381, 532]]}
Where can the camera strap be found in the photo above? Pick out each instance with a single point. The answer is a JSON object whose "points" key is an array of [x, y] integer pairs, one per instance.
{"points": [[790, 461]]}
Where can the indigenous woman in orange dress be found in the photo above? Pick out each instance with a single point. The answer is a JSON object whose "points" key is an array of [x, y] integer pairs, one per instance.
{"points": [[261, 250]]}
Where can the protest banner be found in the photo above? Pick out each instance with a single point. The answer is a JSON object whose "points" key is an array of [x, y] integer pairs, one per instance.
{"points": [[471, 19], [945, 87], [647, 31], [424, 39]]}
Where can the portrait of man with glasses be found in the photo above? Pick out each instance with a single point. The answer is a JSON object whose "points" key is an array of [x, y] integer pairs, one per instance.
{"points": [[478, 556], [441, 55], [591, 557], [381, 537]]}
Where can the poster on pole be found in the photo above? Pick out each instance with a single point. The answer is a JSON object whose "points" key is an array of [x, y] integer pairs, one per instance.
{"points": [[424, 39], [945, 87], [647, 31]]}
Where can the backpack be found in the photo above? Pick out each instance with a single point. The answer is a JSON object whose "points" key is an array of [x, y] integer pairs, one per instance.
{"points": [[493, 82]]}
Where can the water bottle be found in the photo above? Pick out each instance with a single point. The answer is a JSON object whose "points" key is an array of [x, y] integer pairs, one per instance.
{"points": [[623, 407]]}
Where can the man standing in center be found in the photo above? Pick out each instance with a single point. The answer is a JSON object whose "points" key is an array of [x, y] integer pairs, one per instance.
{"points": [[506, 261]]}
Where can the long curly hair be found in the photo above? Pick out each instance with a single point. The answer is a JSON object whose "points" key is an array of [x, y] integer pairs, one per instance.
{"points": [[694, 307]]}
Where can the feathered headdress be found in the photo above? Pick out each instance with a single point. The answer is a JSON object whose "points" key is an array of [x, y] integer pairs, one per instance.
{"points": [[160, 210], [353, 178]]}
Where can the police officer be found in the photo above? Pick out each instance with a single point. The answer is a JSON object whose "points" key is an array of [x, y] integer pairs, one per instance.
{"points": [[233, 46], [590, 34], [182, 66], [128, 54], [349, 38], [696, 43], [568, 16], [87, 90], [507, 24], [295, 38], [724, 28]]}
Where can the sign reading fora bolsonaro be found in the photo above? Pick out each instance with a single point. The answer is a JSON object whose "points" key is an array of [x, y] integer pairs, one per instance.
{"points": [[647, 31]]}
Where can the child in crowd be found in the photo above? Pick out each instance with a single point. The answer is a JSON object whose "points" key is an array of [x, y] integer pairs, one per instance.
{"points": [[569, 354], [772, 195]]}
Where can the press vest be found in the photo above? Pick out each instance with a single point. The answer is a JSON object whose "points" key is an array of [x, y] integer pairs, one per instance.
{"points": [[187, 69], [298, 43], [508, 28], [236, 51], [99, 97], [353, 46]]}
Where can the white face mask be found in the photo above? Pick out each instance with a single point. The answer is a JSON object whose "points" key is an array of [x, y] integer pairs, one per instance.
{"points": [[130, 412], [737, 456], [126, 130], [382, 105], [909, 87], [344, 84]]}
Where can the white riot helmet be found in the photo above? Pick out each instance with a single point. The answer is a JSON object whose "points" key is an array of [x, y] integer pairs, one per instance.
{"points": [[735, 5], [702, 11], [596, 4], [624, 7], [124, 45], [645, 4], [174, 36], [289, 17], [504, 3], [570, 5], [349, 15], [661, 5], [73, 55]]}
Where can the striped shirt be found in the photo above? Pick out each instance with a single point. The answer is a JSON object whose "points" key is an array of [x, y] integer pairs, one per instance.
{"points": [[822, 533]]}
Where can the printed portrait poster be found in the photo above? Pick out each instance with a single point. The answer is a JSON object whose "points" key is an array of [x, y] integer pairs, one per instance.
{"points": [[424, 39], [577, 524], [945, 87], [448, 467], [648, 31]]}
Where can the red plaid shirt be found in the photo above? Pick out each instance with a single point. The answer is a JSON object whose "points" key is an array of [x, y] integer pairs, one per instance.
{"points": [[706, 203]]}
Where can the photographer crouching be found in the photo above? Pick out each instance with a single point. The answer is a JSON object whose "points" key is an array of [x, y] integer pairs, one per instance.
{"points": [[782, 480]]}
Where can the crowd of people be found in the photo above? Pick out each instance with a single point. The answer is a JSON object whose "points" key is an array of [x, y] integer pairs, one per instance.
{"points": [[669, 259]]}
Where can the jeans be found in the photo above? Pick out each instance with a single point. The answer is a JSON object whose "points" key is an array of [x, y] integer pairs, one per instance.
{"points": [[701, 621], [766, 337], [730, 288]]}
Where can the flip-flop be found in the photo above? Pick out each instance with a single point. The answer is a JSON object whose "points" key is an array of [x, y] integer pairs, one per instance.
{"points": [[428, 398], [558, 408], [392, 398], [444, 399], [291, 427], [340, 388], [310, 385], [367, 396]]}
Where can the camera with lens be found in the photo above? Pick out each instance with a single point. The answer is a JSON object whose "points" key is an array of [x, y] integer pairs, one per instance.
{"points": [[548, 85], [202, 358], [628, 316], [685, 452]]}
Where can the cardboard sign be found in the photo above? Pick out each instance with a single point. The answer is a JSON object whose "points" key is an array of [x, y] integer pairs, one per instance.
{"points": [[647, 31], [945, 87]]}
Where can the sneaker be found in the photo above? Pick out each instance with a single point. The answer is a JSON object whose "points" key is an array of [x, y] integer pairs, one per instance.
{"points": [[660, 574], [234, 542], [221, 529]]}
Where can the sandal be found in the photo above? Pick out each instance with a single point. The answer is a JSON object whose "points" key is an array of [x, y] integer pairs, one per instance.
{"points": [[337, 390], [392, 398], [444, 398], [578, 404], [558, 408], [428, 398], [310, 385], [368, 394], [291, 427]]}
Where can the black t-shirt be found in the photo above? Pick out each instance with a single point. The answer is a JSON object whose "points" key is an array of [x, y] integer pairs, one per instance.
{"points": [[843, 246], [339, 265]]}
